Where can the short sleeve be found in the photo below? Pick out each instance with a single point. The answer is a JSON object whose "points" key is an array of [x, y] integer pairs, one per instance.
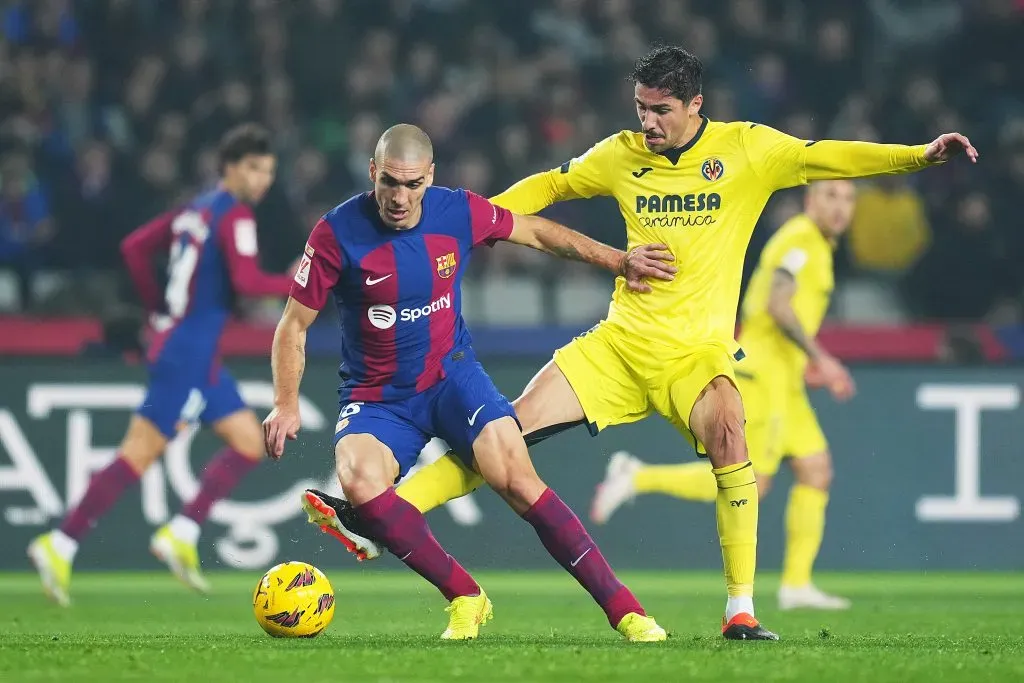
{"points": [[236, 233], [490, 223], [319, 268], [793, 261], [589, 175], [777, 158]]}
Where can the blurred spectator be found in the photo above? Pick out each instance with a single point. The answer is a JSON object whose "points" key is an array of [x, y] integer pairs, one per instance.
{"points": [[964, 274], [26, 227], [90, 212], [114, 108], [890, 227]]}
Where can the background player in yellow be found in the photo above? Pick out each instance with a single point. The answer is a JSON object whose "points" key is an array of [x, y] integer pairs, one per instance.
{"points": [[785, 303], [697, 186]]}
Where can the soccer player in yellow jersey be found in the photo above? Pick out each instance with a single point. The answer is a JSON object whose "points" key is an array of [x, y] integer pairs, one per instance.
{"points": [[697, 186], [782, 311]]}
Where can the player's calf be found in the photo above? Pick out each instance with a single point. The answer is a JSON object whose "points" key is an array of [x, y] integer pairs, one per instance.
{"points": [[501, 455], [366, 468], [717, 421]]}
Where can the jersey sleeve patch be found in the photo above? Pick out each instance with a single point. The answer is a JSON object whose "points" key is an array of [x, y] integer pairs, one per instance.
{"points": [[302, 272], [794, 261], [245, 237], [319, 268]]}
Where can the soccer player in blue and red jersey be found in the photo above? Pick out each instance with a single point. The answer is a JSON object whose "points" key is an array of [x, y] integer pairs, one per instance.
{"points": [[394, 259], [213, 256]]}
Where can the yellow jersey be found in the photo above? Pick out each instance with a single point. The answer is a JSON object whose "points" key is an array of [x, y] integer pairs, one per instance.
{"points": [[800, 249], [702, 200]]}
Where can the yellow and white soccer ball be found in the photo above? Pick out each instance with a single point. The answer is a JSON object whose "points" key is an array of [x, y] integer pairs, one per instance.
{"points": [[293, 600]]}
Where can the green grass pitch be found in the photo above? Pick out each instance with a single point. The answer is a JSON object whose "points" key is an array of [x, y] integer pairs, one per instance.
{"points": [[131, 626]]}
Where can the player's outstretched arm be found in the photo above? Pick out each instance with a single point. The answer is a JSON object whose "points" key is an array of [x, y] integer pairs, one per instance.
{"points": [[830, 159], [588, 175], [639, 264], [534, 193], [829, 371], [287, 362]]}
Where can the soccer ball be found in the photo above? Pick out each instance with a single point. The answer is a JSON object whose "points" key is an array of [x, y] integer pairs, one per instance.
{"points": [[293, 600]]}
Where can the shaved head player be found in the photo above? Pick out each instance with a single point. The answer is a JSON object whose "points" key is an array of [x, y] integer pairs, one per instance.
{"points": [[394, 258]]}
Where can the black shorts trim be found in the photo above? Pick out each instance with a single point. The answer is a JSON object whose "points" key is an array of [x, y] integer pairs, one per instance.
{"points": [[536, 437]]}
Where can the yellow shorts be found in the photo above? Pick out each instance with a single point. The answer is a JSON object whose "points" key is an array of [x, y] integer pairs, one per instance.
{"points": [[780, 419], [619, 378]]}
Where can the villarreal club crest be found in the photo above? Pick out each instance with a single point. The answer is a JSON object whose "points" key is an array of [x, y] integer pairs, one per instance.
{"points": [[712, 169]]}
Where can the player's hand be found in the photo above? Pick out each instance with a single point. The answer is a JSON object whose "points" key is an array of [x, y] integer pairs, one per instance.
{"points": [[828, 372], [948, 145], [281, 424], [647, 261]]}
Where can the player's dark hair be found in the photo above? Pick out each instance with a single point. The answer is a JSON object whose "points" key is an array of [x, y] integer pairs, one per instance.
{"points": [[242, 141], [669, 68]]}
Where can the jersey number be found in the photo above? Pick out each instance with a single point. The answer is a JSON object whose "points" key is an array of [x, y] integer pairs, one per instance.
{"points": [[190, 232], [350, 410]]}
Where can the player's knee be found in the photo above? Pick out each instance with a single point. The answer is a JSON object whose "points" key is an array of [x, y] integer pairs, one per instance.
{"points": [[816, 472], [505, 464], [242, 433], [249, 443], [365, 467], [142, 445], [727, 444]]}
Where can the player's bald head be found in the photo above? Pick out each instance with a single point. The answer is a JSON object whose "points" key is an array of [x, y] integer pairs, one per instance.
{"points": [[404, 143]]}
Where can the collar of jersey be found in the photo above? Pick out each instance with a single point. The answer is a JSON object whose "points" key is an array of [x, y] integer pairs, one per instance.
{"points": [[676, 152]]}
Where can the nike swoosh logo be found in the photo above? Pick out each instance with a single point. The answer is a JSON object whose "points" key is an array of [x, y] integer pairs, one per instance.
{"points": [[403, 557], [573, 564], [472, 418], [642, 171], [373, 281]]}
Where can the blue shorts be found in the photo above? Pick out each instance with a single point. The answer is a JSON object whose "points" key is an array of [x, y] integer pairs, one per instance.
{"points": [[455, 409], [177, 396]]}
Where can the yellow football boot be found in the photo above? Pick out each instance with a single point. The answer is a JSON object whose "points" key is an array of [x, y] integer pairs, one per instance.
{"points": [[181, 557], [640, 629], [54, 569], [468, 614]]}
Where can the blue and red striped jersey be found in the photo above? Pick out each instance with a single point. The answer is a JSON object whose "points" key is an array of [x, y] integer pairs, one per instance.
{"points": [[397, 291], [212, 253]]}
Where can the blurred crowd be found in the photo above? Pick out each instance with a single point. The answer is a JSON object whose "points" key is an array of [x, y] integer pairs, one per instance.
{"points": [[110, 111]]}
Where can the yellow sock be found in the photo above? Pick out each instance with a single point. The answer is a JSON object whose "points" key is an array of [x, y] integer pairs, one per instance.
{"points": [[692, 481], [805, 525], [442, 480], [736, 505]]}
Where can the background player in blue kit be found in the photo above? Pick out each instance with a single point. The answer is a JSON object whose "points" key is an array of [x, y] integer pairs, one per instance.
{"points": [[213, 256], [394, 259]]}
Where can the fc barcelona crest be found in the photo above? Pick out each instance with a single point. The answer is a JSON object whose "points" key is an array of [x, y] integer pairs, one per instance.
{"points": [[446, 265], [712, 169]]}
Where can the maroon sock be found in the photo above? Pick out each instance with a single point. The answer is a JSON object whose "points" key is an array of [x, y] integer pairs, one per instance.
{"points": [[105, 487], [404, 531], [220, 476], [563, 536]]}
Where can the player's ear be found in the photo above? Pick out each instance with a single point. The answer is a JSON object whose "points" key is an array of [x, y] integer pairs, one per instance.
{"points": [[695, 104], [373, 171], [429, 177]]}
